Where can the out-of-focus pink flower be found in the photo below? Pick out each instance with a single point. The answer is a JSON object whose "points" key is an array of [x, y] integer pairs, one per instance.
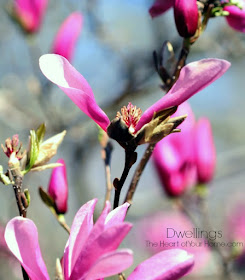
{"points": [[91, 251], [236, 223], [166, 265], [186, 17], [185, 14], [173, 230], [236, 18], [58, 187], [160, 6], [235, 229], [174, 157], [66, 38], [186, 158], [205, 154], [30, 13], [193, 78]]}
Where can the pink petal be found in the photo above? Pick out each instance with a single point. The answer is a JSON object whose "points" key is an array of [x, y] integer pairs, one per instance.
{"points": [[106, 242], [59, 71], [236, 19], [166, 156], [22, 239], [204, 151], [81, 237], [66, 38], [80, 230], [110, 264], [193, 78], [30, 13], [58, 187], [117, 215], [160, 227], [160, 6], [168, 163], [166, 265]]}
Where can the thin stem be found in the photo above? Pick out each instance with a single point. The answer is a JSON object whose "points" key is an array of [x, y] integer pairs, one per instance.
{"points": [[106, 156], [137, 174], [65, 226], [108, 182], [118, 184], [21, 201]]}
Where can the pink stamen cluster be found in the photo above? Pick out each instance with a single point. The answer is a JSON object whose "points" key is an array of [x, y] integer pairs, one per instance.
{"points": [[131, 116]]}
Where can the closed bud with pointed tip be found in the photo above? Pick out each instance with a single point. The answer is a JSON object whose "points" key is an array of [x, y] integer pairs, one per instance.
{"points": [[30, 13], [186, 17], [58, 187], [65, 41]]}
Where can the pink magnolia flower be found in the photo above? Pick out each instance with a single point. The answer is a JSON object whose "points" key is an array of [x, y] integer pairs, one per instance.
{"points": [[185, 14], [30, 13], [58, 187], [193, 78], [66, 38], [187, 158], [169, 231], [236, 18], [90, 252]]}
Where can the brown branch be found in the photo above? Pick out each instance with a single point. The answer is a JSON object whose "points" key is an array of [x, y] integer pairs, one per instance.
{"points": [[21, 201], [130, 159], [137, 174]]}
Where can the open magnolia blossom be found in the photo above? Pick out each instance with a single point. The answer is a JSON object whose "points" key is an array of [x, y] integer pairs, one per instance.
{"points": [[90, 252], [130, 125]]}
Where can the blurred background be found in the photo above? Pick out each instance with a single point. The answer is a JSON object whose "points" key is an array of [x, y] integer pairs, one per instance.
{"points": [[114, 54]]}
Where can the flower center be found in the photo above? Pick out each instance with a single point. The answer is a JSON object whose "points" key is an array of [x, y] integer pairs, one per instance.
{"points": [[131, 116]]}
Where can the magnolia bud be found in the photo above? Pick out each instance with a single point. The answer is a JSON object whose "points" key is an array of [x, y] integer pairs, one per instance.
{"points": [[186, 17], [58, 187]]}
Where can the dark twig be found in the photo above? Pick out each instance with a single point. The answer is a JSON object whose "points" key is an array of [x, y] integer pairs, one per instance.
{"points": [[130, 159], [137, 174], [106, 156]]}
